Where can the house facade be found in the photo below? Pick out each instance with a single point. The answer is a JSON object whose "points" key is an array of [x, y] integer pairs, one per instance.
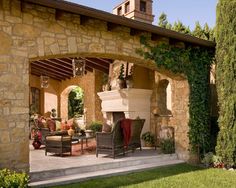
{"points": [[34, 33]]}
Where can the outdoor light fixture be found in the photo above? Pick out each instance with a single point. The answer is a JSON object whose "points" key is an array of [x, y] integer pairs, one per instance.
{"points": [[78, 66], [44, 81]]}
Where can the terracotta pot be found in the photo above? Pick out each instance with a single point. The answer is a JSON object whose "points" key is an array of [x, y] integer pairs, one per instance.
{"points": [[36, 144]]}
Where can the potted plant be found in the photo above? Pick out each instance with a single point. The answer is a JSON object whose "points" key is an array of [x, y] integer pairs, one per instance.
{"points": [[121, 77], [37, 138], [167, 145], [94, 127], [148, 138]]}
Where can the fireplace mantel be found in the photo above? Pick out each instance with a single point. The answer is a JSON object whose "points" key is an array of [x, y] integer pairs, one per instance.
{"points": [[125, 100], [133, 102]]}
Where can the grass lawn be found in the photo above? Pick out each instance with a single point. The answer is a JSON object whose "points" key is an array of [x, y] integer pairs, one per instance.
{"points": [[182, 175]]}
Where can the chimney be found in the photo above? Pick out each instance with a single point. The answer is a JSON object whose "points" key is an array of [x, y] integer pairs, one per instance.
{"points": [[140, 10]]}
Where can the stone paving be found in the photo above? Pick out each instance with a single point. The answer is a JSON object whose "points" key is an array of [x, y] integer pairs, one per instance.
{"points": [[40, 162]]}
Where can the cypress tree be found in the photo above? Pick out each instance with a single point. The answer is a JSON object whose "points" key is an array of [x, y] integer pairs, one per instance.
{"points": [[226, 80]]}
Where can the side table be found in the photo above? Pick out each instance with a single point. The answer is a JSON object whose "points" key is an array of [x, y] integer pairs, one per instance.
{"points": [[82, 138]]}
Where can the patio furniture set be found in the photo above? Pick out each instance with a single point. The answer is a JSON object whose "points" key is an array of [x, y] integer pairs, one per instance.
{"points": [[125, 136]]}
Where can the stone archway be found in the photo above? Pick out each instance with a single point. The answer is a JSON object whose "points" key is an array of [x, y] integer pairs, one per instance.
{"points": [[32, 32]]}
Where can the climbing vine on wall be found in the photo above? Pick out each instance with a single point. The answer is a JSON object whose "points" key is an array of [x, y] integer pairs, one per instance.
{"points": [[195, 63]]}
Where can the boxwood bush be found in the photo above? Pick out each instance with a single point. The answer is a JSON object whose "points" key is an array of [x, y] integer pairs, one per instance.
{"points": [[12, 179]]}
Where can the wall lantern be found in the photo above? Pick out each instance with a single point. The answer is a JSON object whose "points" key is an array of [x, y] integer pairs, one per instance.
{"points": [[44, 81], [78, 66]]}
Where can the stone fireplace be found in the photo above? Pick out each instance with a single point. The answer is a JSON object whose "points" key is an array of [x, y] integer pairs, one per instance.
{"points": [[129, 103]]}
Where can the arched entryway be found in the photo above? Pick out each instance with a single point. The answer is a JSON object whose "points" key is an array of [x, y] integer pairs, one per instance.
{"points": [[72, 102]]}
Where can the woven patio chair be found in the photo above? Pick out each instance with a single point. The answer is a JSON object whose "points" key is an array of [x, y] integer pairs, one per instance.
{"points": [[111, 143], [136, 129]]}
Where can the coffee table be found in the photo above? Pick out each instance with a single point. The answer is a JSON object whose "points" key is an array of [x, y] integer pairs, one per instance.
{"points": [[81, 138]]}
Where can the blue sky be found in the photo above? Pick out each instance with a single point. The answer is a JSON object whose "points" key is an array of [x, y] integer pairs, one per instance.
{"points": [[187, 11]]}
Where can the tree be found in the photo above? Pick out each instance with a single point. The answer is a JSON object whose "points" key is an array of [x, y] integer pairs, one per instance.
{"points": [[226, 80], [180, 27], [163, 20], [75, 102], [198, 31]]}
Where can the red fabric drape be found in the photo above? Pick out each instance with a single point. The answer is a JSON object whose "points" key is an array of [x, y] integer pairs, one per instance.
{"points": [[126, 127]]}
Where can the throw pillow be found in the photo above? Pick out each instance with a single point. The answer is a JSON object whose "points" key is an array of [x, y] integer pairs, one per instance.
{"points": [[51, 124], [58, 125]]}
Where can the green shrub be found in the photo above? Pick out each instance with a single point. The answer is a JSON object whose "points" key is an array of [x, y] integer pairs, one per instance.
{"points": [[11, 179], [207, 159], [96, 126], [167, 146], [212, 160], [148, 137]]}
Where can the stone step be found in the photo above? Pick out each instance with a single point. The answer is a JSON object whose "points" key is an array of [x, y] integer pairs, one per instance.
{"points": [[43, 175], [73, 178]]}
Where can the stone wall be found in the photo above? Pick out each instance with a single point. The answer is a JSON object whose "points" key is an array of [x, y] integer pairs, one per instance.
{"points": [[176, 117], [29, 32]]}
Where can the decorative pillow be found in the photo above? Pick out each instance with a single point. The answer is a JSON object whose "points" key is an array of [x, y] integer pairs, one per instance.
{"points": [[106, 128], [40, 122], [51, 124], [58, 125], [64, 126]]}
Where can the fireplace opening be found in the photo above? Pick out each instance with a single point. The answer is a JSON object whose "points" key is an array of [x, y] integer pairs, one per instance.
{"points": [[117, 115]]}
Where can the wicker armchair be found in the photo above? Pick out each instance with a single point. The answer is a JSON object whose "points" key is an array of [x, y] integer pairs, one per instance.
{"points": [[136, 129], [113, 142], [58, 144]]}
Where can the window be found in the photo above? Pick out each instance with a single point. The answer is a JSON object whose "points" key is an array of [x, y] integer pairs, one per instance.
{"points": [[143, 6], [127, 6], [34, 100], [119, 11]]}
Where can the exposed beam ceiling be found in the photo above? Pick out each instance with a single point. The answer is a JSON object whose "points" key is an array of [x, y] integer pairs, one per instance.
{"points": [[61, 68]]}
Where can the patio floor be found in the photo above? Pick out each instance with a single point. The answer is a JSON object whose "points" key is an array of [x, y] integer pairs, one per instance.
{"points": [[55, 170], [40, 162]]}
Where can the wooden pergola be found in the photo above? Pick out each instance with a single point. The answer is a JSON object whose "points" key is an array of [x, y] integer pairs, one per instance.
{"points": [[62, 69]]}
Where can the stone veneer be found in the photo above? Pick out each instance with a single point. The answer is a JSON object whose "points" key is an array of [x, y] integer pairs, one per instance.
{"points": [[30, 32]]}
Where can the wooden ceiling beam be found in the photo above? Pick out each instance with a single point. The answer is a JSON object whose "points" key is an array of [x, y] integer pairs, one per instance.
{"points": [[50, 64], [46, 73], [97, 62], [60, 64], [38, 74], [69, 64], [88, 69], [92, 65], [42, 69], [66, 60], [53, 69], [108, 61]]}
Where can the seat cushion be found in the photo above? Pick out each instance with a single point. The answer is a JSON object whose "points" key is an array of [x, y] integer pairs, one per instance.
{"points": [[58, 138]]}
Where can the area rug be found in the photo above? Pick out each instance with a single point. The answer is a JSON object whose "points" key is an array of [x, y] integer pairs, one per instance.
{"points": [[87, 150]]}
